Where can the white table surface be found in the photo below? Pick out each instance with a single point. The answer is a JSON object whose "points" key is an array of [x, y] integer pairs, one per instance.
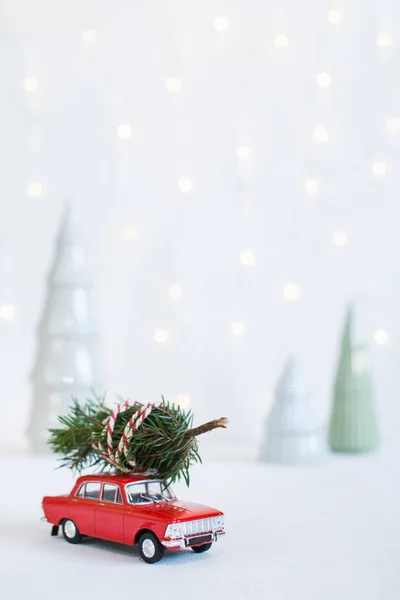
{"points": [[325, 533]]}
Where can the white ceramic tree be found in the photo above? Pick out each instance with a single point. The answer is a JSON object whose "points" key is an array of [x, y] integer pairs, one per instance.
{"points": [[67, 362], [293, 429]]}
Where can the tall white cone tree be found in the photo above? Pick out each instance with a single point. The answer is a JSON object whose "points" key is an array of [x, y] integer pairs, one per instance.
{"points": [[67, 362], [353, 423], [294, 433]]}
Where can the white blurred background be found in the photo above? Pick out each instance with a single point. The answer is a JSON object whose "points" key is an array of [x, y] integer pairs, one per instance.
{"points": [[246, 152]]}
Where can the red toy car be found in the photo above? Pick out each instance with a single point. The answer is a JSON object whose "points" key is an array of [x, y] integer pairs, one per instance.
{"points": [[133, 509]]}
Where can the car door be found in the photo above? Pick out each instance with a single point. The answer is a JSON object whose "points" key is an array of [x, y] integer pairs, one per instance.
{"points": [[83, 505], [139, 512], [109, 514]]}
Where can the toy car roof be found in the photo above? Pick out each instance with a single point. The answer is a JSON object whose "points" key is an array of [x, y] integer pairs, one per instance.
{"points": [[123, 478]]}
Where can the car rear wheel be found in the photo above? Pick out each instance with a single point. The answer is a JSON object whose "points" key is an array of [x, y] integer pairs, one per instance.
{"points": [[202, 548], [150, 549], [71, 532]]}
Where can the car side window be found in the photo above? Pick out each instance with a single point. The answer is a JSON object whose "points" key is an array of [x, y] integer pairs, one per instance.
{"points": [[135, 493], [119, 497], [92, 490], [109, 492], [81, 492]]}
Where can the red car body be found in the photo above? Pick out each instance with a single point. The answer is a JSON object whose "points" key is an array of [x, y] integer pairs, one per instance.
{"points": [[132, 509]]}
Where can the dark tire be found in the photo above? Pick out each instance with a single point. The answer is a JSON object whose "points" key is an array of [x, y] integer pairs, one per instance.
{"points": [[150, 549], [71, 532], [202, 548]]}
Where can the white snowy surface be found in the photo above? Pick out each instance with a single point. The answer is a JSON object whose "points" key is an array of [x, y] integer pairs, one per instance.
{"points": [[326, 532]]}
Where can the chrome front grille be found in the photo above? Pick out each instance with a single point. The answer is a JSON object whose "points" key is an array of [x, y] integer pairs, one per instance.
{"points": [[199, 526]]}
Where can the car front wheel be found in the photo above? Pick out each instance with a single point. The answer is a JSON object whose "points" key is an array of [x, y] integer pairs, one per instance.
{"points": [[150, 549], [202, 548], [71, 532]]}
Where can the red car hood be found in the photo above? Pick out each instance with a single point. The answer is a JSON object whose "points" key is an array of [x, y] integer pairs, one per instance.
{"points": [[177, 510]]}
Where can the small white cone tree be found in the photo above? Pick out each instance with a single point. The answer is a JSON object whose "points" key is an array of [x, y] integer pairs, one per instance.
{"points": [[353, 423], [67, 361], [293, 434]]}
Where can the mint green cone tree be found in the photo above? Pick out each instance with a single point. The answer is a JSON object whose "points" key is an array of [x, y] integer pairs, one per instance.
{"points": [[353, 423]]}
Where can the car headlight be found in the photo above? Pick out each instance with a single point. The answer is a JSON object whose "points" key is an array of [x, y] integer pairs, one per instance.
{"points": [[175, 530], [218, 522]]}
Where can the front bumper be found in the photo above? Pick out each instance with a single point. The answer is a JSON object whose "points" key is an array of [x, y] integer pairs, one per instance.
{"points": [[190, 540]]}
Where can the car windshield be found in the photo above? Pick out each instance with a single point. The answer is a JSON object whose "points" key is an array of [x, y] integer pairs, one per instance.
{"points": [[144, 492]]}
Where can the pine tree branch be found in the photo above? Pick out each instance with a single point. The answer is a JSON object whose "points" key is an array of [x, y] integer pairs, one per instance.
{"points": [[164, 442], [222, 422]]}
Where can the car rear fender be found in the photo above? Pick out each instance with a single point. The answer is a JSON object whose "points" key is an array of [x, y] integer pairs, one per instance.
{"points": [[55, 509]]}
